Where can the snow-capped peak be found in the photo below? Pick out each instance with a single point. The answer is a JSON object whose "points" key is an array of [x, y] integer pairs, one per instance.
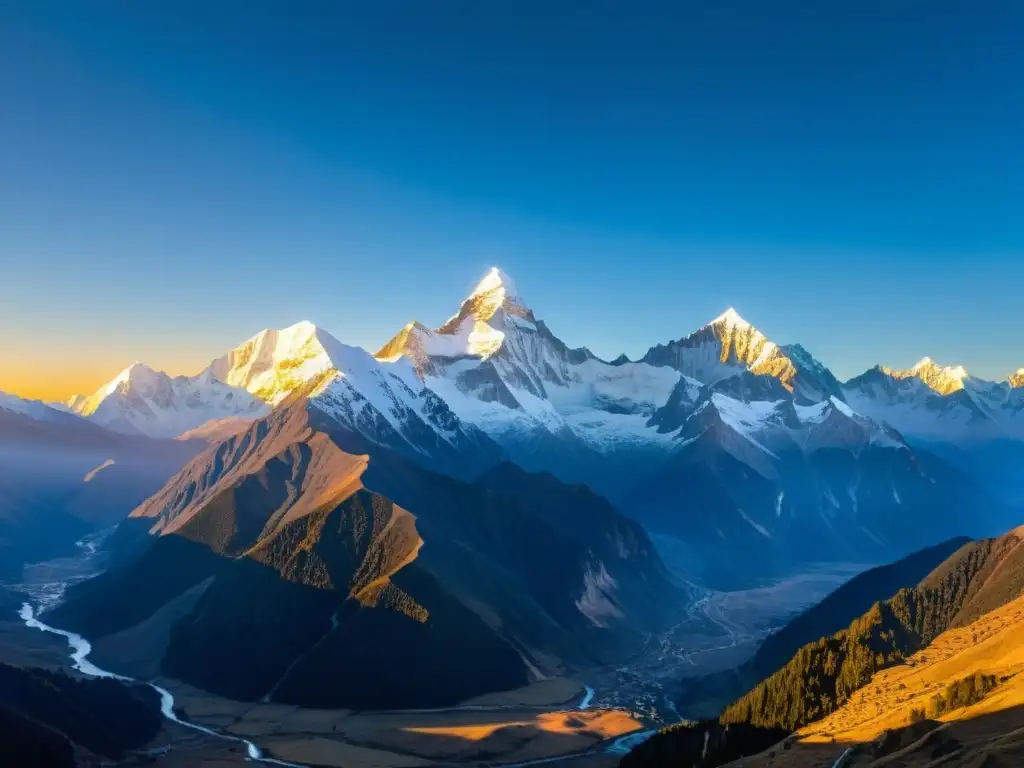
{"points": [[136, 376], [494, 281], [136, 373], [926, 364], [1017, 379], [273, 363], [730, 319], [34, 409], [942, 379], [496, 291], [486, 319], [721, 349], [140, 400]]}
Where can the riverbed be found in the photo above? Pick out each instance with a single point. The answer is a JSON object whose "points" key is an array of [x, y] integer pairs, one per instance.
{"points": [[45, 585]]}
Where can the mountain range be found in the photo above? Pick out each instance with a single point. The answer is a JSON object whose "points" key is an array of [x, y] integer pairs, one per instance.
{"points": [[487, 490], [761, 437]]}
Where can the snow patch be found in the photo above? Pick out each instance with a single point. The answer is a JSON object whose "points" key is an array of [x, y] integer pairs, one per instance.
{"points": [[747, 419]]}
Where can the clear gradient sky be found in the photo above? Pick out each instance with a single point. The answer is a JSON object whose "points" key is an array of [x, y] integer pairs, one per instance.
{"points": [[177, 176]]}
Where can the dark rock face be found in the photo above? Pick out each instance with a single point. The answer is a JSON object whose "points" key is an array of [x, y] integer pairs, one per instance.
{"points": [[28, 743], [43, 714]]}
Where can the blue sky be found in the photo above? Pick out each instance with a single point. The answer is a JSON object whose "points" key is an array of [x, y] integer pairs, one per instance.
{"points": [[175, 177]]}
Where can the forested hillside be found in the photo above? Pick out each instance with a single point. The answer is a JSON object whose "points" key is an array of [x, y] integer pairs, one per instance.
{"points": [[978, 578]]}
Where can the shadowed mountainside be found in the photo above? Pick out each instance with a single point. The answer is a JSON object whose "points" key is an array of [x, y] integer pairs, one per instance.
{"points": [[61, 479], [281, 560], [45, 715]]}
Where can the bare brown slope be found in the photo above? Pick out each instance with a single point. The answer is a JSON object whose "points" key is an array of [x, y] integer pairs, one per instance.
{"points": [[334, 558], [279, 469]]}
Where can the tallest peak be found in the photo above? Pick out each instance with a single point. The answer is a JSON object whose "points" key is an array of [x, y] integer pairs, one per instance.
{"points": [[730, 318], [496, 280]]}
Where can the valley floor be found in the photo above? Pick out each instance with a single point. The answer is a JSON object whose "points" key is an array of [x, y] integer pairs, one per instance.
{"points": [[524, 727], [719, 631], [534, 723]]}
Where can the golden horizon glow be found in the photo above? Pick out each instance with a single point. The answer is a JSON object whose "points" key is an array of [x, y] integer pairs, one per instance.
{"points": [[57, 380]]}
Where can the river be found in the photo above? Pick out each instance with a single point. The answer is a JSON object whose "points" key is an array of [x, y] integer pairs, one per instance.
{"points": [[45, 584]]}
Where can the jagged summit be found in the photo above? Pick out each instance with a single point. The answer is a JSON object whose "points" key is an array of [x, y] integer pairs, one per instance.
{"points": [[942, 379], [486, 319], [496, 280], [729, 346], [729, 319], [495, 293], [1017, 379], [273, 363]]}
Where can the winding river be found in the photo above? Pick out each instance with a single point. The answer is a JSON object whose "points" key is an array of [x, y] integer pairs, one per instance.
{"points": [[46, 583]]}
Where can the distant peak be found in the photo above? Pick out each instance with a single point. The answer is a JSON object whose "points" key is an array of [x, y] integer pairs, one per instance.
{"points": [[303, 326], [137, 376], [302, 329], [129, 369], [952, 371], [1017, 379], [133, 372], [943, 379], [496, 280], [730, 318]]}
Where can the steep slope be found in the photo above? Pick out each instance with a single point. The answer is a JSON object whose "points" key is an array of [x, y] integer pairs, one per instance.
{"points": [[778, 483], [551, 407], [742, 448], [838, 609], [308, 562], [836, 681], [729, 345], [385, 403], [978, 578], [957, 702]]}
